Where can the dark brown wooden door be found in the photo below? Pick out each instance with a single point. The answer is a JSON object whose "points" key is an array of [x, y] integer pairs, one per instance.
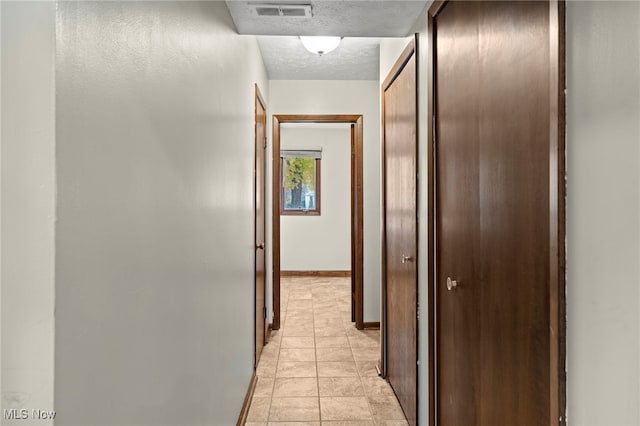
{"points": [[260, 211], [400, 149], [492, 155]]}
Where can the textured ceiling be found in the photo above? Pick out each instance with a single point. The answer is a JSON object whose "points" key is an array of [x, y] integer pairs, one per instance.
{"points": [[354, 59], [345, 18], [361, 22]]}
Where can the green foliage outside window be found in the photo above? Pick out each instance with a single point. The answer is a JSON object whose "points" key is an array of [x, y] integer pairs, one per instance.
{"points": [[299, 177]]}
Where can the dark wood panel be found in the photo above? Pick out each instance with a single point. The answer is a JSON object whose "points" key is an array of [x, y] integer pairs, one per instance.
{"points": [[499, 104], [260, 222], [400, 228], [514, 194], [457, 223]]}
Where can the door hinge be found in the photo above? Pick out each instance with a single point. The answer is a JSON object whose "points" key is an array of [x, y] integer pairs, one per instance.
{"points": [[418, 313], [264, 312], [265, 142]]}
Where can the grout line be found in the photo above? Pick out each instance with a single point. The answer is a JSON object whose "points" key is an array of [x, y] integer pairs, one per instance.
{"points": [[315, 350]]}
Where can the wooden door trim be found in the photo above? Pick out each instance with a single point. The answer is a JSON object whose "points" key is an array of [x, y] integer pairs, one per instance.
{"points": [[246, 404], [259, 99], [356, 188], [557, 215], [409, 51]]}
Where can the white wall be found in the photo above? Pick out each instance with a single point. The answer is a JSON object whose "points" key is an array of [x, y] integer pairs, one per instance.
{"points": [[603, 213], [155, 232], [28, 205], [603, 210], [341, 97], [320, 243]]}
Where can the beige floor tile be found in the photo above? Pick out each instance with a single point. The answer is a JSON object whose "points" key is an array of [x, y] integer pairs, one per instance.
{"points": [[300, 294], [349, 423], [332, 342], [374, 386], [297, 354], [327, 314], [319, 306], [344, 408], [363, 341], [303, 313], [266, 368], [327, 332], [295, 386], [275, 337], [385, 408], [255, 424], [340, 386], [328, 322], [297, 342], [366, 354], [264, 386], [367, 368], [300, 304], [270, 353], [352, 331], [391, 423], [334, 354], [259, 409], [337, 369], [298, 323], [296, 369], [293, 424], [294, 409], [298, 331]]}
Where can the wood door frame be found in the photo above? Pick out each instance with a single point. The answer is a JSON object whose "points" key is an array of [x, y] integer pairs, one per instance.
{"points": [[410, 50], [557, 193], [259, 99], [356, 190]]}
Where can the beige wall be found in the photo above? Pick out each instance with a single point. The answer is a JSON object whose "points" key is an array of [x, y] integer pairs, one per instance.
{"points": [[603, 213], [342, 97], [155, 226], [28, 206], [320, 243]]}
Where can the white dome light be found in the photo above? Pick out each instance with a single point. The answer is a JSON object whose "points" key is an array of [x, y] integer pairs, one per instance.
{"points": [[320, 45]]}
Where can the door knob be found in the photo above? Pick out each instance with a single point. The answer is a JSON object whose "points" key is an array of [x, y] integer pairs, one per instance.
{"points": [[260, 246], [451, 284], [406, 258]]}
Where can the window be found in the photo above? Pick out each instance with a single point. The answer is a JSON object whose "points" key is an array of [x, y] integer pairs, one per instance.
{"points": [[300, 192]]}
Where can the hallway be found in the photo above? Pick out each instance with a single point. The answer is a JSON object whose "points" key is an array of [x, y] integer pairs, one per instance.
{"points": [[318, 369]]}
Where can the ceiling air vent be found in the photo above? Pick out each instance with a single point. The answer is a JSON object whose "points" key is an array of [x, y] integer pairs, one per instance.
{"points": [[287, 10]]}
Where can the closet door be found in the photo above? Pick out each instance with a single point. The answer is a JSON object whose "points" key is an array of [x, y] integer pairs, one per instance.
{"points": [[400, 150], [495, 246]]}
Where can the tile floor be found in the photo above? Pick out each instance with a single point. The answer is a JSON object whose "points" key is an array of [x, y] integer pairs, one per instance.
{"points": [[318, 369]]}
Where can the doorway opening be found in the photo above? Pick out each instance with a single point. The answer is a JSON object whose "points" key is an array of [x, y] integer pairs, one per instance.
{"points": [[356, 214]]}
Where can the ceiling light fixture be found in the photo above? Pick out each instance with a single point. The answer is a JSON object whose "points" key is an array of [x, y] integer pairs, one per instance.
{"points": [[320, 45]]}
